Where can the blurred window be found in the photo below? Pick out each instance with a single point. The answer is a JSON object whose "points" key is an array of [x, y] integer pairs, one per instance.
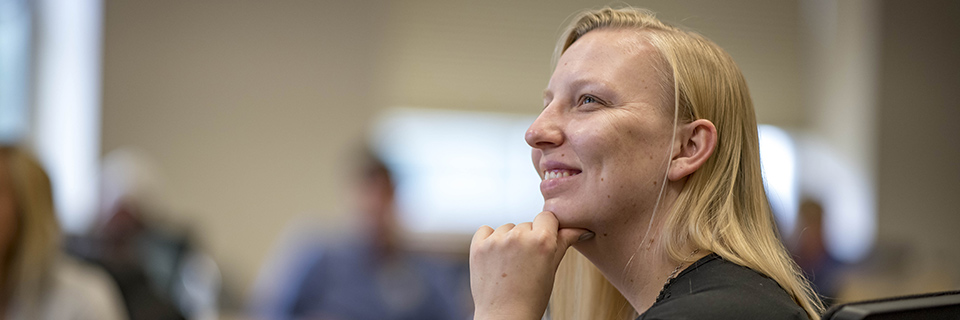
{"points": [[50, 95], [15, 44], [456, 171]]}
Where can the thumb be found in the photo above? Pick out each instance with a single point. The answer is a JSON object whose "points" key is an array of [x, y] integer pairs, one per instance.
{"points": [[566, 237]]}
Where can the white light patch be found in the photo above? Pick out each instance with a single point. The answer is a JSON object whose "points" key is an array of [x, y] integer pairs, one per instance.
{"points": [[456, 171], [779, 166], [67, 119]]}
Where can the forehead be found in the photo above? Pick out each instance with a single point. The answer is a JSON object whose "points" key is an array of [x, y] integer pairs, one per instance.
{"points": [[621, 58], [609, 42]]}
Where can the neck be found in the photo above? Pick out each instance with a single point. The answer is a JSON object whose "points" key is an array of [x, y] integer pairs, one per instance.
{"points": [[637, 269], [634, 263]]}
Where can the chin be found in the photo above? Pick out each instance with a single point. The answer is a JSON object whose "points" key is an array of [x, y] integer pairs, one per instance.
{"points": [[568, 216]]}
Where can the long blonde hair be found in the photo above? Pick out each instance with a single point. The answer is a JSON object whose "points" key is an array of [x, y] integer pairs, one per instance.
{"points": [[722, 208], [37, 239]]}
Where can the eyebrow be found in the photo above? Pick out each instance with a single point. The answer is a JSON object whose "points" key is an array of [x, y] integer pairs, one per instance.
{"points": [[579, 84]]}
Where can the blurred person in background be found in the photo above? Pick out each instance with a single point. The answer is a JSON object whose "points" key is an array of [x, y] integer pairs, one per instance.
{"points": [[37, 281], [366, 276], [823, 270], [160, 271]]}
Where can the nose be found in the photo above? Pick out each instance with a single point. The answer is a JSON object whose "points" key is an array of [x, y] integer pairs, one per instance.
{"points": [[545, 132]]}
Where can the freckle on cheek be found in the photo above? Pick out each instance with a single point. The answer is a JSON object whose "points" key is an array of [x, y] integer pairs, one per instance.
{"points": [[608, 196], [654, 183], [562, 154], [601, 179], [503, 275]]}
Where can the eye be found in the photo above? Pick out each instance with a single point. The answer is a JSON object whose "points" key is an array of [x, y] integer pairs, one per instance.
{"points": [[589, 99]]}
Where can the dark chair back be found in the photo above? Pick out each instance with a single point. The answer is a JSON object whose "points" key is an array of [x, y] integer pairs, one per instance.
{"points": [[937, 305]]}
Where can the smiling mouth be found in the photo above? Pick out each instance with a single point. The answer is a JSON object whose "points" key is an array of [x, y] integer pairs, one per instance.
{"points": [[559, 173]]}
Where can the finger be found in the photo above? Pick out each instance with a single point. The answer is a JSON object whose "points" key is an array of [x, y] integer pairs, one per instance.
{"points": [[546, 221], [504, 228], [482, 233], [569, 236], [525, 226]]}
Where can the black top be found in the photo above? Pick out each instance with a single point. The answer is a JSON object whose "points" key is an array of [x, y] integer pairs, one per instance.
{"points": [[713, 288]]}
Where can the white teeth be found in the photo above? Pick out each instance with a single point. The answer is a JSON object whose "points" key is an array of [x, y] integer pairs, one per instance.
{"points": [[547, 175]]}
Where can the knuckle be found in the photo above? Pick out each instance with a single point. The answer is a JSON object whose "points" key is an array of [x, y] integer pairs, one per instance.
{"points": [[547, 247], [546, 243]]}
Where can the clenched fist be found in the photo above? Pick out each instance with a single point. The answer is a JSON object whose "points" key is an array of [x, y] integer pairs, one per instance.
{"points": [[512, 268]]}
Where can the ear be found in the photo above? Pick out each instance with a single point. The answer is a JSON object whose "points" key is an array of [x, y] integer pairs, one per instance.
{"points": [[697, 141]]}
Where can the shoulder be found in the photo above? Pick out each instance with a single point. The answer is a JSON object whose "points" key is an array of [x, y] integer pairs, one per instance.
{"points": [[726, 305], [718, 289], [82, 291]]}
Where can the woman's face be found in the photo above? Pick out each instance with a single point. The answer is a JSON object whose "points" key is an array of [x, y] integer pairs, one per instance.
{"points": [[601, 143]]}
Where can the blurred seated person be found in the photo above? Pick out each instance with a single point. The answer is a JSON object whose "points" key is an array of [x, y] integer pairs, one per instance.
{"points": [[811, 253], [36, 280], [160, 272], [366, 276]]}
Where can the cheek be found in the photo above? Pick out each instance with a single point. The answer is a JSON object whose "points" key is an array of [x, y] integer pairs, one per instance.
{"points": [[591, 141], [607, 146], [632, 159], [535, 155]]}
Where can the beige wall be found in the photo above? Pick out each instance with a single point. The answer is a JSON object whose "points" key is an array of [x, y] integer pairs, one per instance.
{"points": [[246, 106], [919, 150], [249, 107]]}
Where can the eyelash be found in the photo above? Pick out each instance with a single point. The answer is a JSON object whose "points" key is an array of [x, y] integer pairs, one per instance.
{"points": [[583, 100]]}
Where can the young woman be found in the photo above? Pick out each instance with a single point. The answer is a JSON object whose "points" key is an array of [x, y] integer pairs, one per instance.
{"points": [[648, 150]]}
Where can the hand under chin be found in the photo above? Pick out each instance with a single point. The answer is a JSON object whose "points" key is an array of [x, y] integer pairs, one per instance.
{"points": [[570, 218]]}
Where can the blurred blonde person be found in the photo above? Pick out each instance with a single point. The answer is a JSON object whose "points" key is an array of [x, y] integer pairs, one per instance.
{"points": [[648, 150], [36, 280]]}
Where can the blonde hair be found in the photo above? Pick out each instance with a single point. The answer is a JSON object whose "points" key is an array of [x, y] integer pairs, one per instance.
{"points": [[37, 239], [722, 208]]}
